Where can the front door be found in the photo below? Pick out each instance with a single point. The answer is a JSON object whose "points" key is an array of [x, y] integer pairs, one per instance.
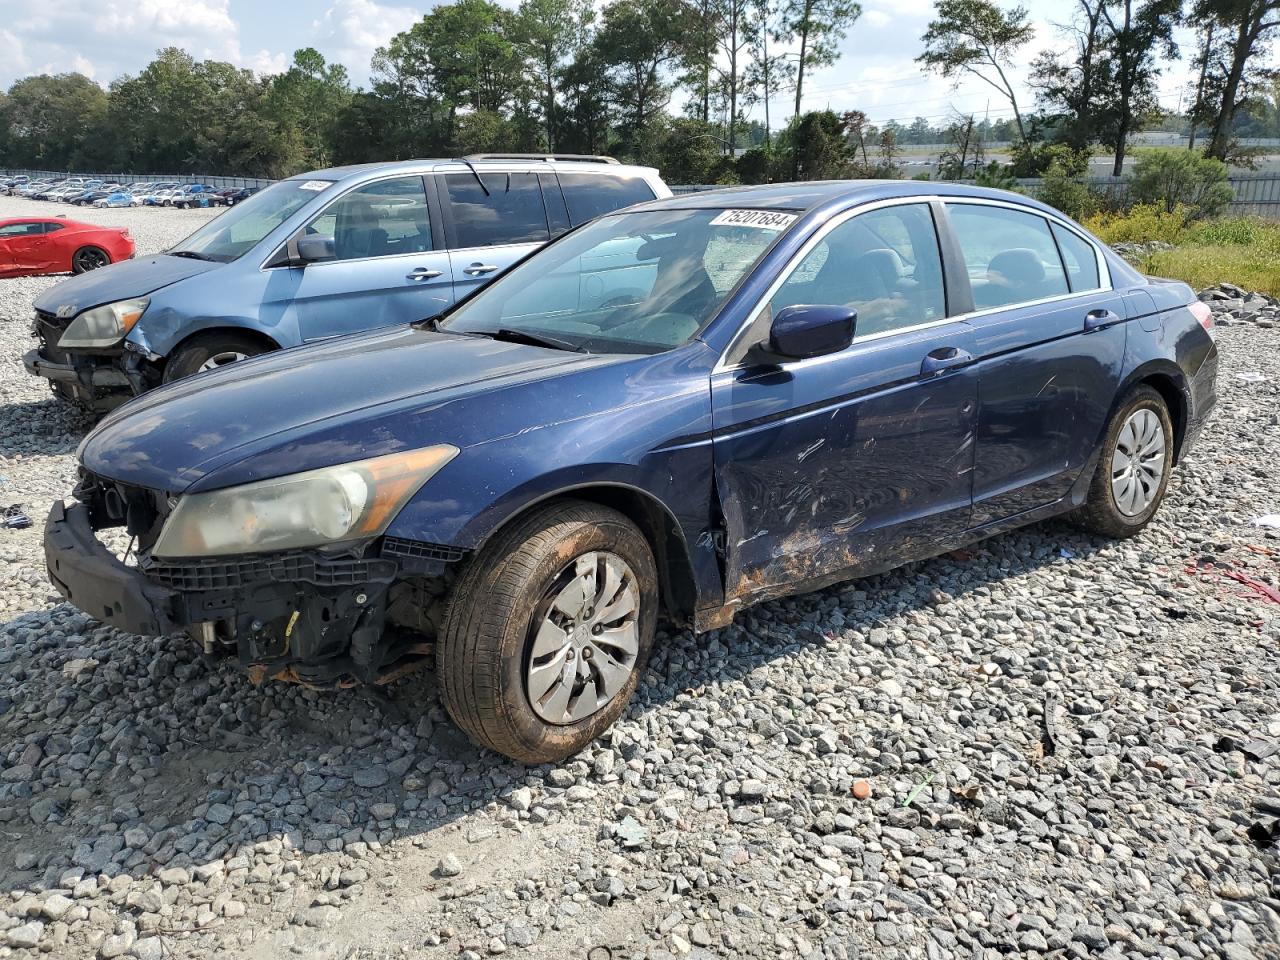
{"points": [[850, 463], [1050, 349], [23, 246], [387, 265]]}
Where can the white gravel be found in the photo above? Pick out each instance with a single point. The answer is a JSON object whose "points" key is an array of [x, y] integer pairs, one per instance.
{"points": [[152, 805]]}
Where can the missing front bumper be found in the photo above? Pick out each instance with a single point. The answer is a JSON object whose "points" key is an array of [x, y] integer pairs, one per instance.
{"points": [[304, 616]]}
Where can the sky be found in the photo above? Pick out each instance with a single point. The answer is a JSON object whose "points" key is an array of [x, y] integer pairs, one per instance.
{"points": [[107, 38]]}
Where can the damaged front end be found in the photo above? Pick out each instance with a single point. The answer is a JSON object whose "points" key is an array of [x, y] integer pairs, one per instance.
{"points": [[363, 611], [99, 380]]}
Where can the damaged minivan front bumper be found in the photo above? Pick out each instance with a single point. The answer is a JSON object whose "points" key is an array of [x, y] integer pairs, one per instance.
{"points": [[365, 612]]}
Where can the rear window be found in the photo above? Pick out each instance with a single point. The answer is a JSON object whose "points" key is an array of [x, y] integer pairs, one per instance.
{"points": [[590, 195], [1080, 258]]}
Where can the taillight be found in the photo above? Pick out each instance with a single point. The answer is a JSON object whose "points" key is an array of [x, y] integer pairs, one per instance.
{"points": [[1204, 316]]}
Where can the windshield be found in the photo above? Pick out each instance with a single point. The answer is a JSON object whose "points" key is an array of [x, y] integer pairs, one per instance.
{"points": [[243, 226], [628, 283]]}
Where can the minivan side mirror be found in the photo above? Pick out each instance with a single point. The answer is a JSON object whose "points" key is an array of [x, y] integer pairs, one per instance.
{"points": [[807, 330], [315, 247]]}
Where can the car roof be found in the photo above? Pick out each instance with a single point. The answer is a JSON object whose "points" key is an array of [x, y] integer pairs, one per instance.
{"points": [[817, 195], [358, 171]]}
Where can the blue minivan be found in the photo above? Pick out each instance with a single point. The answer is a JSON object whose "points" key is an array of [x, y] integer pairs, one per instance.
{"points": [[682, 409], [316, 256]]}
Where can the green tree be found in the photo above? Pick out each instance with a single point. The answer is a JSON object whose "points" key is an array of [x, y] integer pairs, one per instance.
{"points": [[770, 72], [310, 96], [638, 40], [1071, 88], [54, 122], [1137, 37], [1247, 26], [817, 146], [978, 38], [818, 26], [552, 32]]}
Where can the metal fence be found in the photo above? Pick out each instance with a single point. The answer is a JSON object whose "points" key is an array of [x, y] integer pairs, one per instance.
{"points": [[222, 183], [1257, 194]]}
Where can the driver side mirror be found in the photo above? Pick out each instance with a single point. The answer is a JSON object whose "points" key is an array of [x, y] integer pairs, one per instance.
{"points": [[806, 330], [313, 248]]}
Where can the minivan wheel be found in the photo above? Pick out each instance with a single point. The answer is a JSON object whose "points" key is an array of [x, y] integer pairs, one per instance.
{"points": [[548, 631], [210, 351], [1133, 470]]}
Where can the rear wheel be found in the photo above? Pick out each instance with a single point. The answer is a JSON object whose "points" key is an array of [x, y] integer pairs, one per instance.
{"points": [[211, 351], [1133, 471], [89, 258], [548, 631]]}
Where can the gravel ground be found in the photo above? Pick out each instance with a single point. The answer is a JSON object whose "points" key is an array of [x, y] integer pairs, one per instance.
{"points": [[1065, 742]]}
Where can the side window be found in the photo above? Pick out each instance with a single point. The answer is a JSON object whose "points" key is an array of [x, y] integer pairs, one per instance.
{"points": [[885, 264], [590, 195], [511, 211], [52, 227], [1080, 257], [557, 213], [1010, 255], [21, 229], [382, 219]]}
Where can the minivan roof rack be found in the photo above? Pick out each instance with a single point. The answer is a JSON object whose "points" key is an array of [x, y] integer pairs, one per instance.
{"points": [[571, 157]]}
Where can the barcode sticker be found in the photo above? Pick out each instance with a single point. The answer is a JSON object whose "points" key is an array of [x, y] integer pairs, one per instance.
{"points": [[316, 185], [760, 219]]}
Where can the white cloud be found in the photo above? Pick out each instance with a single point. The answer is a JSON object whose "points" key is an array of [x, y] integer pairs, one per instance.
{"points": [[106, 38], [350, 30]]}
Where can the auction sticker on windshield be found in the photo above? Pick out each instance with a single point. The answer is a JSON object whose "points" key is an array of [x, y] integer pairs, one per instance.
{"points": [[316, 185], [761, 219]]}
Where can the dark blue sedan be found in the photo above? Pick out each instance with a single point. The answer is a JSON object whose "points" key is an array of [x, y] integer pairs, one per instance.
{"points": [[684, 408]]}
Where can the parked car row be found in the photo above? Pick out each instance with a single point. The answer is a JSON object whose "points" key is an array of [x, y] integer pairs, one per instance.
{"points": [[83, 191], [683, 407]]}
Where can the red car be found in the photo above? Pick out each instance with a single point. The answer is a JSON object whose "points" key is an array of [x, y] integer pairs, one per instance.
{"points": [[34, 245]]}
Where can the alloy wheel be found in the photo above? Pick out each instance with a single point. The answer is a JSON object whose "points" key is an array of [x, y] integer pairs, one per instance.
{"points": [[1137, 465], [91, 260], [221, 360], [586, 639]]}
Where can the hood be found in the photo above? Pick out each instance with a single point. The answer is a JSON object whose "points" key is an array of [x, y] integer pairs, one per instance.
{"points": [[311, 406], [120, 281]]}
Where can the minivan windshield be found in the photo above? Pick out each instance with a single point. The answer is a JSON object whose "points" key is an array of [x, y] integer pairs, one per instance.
{"points": [[242, 227], [638, 282]]}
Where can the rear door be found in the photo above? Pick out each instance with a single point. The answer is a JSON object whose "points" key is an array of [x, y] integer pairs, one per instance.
{"points": [[389, 266], [494, 218], [1050, 346]]}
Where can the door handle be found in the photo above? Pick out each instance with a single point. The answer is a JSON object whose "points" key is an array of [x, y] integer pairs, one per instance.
{"points": [[944, 358], [478, 268], [1095, 319], [423, 273]]}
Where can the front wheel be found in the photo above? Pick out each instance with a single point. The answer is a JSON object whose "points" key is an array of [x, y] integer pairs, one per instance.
{"points": [[209, 352], [1133, 470], [548, 631]]}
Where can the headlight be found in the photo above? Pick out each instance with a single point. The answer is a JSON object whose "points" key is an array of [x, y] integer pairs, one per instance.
{"points": [[103, 326], [350, 501]]}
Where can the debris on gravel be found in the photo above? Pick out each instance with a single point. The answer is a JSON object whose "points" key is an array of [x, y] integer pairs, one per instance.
{"points": [[1046, 745], [1231, 305]]}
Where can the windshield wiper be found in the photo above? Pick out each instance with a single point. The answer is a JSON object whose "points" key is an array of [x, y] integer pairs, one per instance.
{"points": [[476, 173], [533, 339], [190, 254]]}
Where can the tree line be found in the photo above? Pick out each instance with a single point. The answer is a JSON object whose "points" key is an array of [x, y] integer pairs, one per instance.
{"points": [[689, 86]]}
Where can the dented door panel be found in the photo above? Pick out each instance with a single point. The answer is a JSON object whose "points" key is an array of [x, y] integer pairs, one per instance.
{"points": [[836, 467], [1047, 387]]}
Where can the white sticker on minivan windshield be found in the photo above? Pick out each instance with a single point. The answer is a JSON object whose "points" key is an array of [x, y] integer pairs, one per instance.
{"points": [[316, 185], [761, 219]]}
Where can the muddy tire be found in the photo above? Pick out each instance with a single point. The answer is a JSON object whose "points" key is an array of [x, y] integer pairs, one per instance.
{"points": [[523, 668], [211, 350], [1133, 470]]}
